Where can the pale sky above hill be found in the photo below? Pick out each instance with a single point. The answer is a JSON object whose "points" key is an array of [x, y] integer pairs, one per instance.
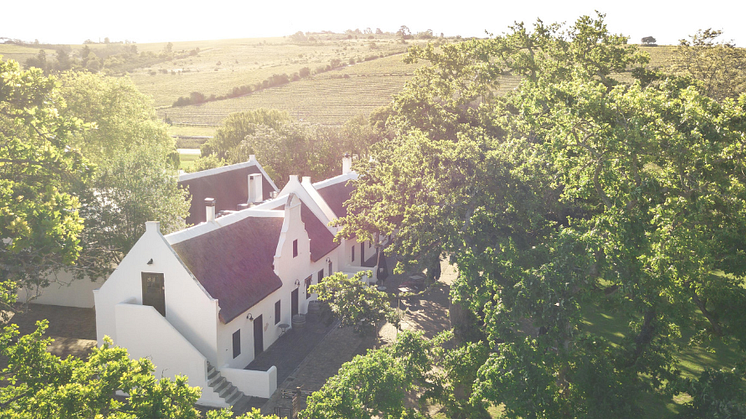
{"points": [[141, 21]]}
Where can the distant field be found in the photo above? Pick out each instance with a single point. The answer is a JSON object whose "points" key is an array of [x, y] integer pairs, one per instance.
{"points": [[222, 65], [177, 130], [330, 98]]}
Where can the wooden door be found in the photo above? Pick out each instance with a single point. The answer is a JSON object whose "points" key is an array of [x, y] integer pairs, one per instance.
{"points": [[258, 336], [294, 303]]}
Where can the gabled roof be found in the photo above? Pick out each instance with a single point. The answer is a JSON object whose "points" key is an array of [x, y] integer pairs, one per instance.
{"points": [[322, 240], [234, 263], [227, 184], [336, 192]]}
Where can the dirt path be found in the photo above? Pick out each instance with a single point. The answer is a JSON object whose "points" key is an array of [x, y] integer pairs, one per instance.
{"points": [[72, 329]]}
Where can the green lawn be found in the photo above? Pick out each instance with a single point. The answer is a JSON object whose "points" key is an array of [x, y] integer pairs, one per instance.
{"points": [[187, 160], [693, 358]]}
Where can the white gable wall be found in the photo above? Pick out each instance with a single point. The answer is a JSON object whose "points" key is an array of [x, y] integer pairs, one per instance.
{"points": [[188, 307]]}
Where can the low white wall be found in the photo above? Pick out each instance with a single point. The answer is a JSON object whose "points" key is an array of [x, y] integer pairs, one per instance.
{"points": [[352, 270], [253, 383], [147, 334], [63, 290]]}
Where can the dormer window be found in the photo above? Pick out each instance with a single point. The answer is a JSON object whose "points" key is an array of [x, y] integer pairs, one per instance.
{"points": [[295, 248]]}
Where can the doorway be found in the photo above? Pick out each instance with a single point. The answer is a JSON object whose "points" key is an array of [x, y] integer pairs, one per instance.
{"points": [[258, 336]]}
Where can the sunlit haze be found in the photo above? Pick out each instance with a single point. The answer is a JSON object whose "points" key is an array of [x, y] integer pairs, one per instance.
{"points": [[158, 21]]}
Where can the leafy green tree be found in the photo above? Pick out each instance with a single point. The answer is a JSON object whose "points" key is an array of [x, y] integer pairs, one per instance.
{"points": [[379, 383], [39, 220], [356, 304], [135, 180], [718, 65], [122, 117], [37, 383], [136, 186], [286, 147], [573, 186], [238, 125]]}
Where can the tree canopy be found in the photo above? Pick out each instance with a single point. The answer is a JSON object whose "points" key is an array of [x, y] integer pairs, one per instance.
{"points": [[286, 147], [39, 219], [574, 194]]}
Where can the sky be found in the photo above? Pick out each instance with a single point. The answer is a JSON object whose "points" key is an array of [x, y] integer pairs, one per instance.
{"points": [[144, 21]]}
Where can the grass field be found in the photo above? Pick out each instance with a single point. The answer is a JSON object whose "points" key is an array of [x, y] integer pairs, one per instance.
{"points": [[329, 98], [693, 359], [222, 65]]}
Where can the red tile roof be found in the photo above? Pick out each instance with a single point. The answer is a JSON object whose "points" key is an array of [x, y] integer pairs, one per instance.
{"points": [[234, 263]]}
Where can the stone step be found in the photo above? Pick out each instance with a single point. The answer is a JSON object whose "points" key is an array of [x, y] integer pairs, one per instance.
{"points": [[242, 405], [227, 391], [233, 397], [221, 385]]}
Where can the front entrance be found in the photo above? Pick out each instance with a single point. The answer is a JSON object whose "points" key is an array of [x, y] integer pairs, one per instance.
{"points": [[294, 303], [258, 336]]}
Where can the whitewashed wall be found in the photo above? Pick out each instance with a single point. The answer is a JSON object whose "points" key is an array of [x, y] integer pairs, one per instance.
{"points": [[146, 334], [188, 307], [63, 290]]}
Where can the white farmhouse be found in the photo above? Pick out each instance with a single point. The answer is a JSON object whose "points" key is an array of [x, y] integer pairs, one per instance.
{"points": [[203, 302]]}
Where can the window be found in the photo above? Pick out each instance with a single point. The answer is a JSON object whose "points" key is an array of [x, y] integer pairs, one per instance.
{"points": [[237, 343], [353, 253], [331, 271], [309, 280], [370, 244], [277, 312], [320, 276], [295, 248]]}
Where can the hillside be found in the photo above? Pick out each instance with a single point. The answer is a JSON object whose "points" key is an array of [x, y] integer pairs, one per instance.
{"points": [[346, 75]]}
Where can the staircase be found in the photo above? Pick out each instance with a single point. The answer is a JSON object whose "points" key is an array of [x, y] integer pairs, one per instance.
{"points": [[227, 391]]}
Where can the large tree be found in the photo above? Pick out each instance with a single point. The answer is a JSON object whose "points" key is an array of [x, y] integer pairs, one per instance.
{"points": [[719, 65], [576, 192], [136, 177], [39, 219], [286, 147]]}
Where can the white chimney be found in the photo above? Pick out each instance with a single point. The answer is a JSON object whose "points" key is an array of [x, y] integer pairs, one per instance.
{"points": [[154, 226], [293, 178], [256, 194], [306, 180], [346, 164], [209, 209]]}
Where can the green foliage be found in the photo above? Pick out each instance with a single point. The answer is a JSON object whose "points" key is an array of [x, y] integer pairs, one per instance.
{"points": [[135, 180], [207, 162], [573, 185], [356, 304], [716, 394], [135, 186], [237, 126], [122, 118], [40, 384], [36, 384], [718, 65], [285, 147], [39, 220], [377, 384]]}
